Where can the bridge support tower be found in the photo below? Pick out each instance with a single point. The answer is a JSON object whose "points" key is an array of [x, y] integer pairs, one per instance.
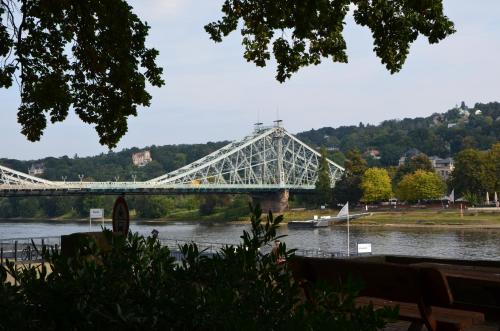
{"points": [[277, 202]]}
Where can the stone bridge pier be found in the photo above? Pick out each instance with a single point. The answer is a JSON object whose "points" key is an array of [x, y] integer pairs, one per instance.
{"points": [[277, 202]]}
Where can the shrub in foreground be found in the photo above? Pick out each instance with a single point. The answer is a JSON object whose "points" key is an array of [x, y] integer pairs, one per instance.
{"points": [[136, 283]]}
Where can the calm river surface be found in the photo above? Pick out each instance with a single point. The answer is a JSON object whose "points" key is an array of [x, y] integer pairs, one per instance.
{"points": [[455, 243]]}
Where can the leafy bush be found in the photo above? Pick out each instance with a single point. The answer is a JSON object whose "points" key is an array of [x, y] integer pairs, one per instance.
{"points": [[134, 283]]}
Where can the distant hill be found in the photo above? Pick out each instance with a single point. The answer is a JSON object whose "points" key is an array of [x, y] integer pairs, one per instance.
{"points": [[105, 167], [439, 134]]}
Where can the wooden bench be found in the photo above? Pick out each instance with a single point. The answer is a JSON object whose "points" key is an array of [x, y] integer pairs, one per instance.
{"points": [[475, 284], [421, 293]]}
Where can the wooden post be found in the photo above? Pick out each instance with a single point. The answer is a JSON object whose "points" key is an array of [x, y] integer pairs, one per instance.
{"points": [[43, 250], [15, 250]]}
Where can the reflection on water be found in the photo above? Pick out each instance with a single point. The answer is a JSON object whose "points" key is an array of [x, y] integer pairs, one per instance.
{"points": [[455, 243]]}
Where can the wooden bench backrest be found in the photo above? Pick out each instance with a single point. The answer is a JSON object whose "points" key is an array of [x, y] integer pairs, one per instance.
{"points": [[402, 259], [382, 280]]}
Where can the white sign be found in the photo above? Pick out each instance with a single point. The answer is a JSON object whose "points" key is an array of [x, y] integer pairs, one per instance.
{"points": [[97, 213], [364, 248]]}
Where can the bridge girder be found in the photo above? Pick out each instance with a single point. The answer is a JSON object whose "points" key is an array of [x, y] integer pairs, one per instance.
{"points": [[270, 156], [270, 159]]}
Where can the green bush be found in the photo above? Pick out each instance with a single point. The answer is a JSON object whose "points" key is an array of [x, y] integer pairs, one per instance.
{"points": [[135, 283]]}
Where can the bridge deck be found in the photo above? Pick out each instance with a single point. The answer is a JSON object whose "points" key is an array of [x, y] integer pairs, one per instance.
{"points": [[114, 189]]}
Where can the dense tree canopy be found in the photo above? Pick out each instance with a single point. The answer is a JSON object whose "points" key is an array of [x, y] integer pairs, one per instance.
{"points": [[348, 189], [477, 172], [412, 164], [89, 56], [421, 185], [376, 185], [304, 32], [441, 134], [323, 183]]}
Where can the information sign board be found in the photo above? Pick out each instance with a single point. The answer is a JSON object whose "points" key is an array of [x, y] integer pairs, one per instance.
{"points": [[364, 248], [96, 213]]}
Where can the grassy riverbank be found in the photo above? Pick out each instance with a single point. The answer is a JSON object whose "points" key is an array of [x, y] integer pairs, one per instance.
{"points": [[431, 218], [389, 218], [409, 218], [406, 218]]}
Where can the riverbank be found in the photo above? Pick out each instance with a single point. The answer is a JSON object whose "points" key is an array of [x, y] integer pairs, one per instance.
{"points": [[431, 218], [386, 218], [412, 218]]}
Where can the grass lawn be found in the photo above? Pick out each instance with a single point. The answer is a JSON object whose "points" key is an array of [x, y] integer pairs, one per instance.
{"points": [[432, 217], [419, 217]]}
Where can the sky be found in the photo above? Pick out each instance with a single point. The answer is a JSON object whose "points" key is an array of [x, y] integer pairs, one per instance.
{"points": [[213, 94]]}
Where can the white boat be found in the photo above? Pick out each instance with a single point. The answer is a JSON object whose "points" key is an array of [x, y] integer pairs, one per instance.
{"points": [[321, 222], [309, 224]]}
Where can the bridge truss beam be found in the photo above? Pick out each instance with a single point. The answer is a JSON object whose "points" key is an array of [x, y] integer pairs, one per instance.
{"points": [[269, 160]]}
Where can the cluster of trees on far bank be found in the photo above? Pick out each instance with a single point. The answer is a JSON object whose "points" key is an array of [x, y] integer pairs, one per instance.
{"points": [[142, 207], [476, 172], [476, 168]]}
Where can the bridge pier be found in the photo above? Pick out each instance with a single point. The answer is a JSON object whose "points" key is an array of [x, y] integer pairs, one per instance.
{"points": [[277, 202]]}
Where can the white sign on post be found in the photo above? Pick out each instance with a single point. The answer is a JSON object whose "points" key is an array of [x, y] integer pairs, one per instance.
{"points": [[96, 213], [364, 248]]}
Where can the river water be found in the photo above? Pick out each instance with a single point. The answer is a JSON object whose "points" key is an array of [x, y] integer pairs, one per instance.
{"points": [[453, 243]]}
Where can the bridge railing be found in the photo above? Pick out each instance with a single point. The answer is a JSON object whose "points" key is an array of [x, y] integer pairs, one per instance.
{"points": [[26, 249], [29, 249], [210, 248]]}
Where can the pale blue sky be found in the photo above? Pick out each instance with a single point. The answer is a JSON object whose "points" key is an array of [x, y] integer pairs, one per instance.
{"points": [[212, 93]]}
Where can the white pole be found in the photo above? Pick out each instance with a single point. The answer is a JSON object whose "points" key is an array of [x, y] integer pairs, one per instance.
{"points": [[348, 252]]}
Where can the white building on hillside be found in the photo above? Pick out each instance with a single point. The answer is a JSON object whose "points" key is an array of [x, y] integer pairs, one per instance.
{"points": [[142, 158]]}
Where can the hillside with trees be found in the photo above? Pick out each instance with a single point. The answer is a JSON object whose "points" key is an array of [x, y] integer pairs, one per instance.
{"points": [[442, 135], [468, 134], [113, 165]]}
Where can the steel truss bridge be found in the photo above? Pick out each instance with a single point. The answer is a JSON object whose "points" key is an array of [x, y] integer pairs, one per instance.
{"points": [[268, 160]]}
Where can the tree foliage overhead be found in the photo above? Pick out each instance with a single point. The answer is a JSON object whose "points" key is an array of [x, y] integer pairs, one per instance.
{"points": [[301, 33], [89, 56]]}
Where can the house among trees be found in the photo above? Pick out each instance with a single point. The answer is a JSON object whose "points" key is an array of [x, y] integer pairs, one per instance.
{"points": [[142, 158], [411, 153], [443, 167], [36, 169], [373, 153]]}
